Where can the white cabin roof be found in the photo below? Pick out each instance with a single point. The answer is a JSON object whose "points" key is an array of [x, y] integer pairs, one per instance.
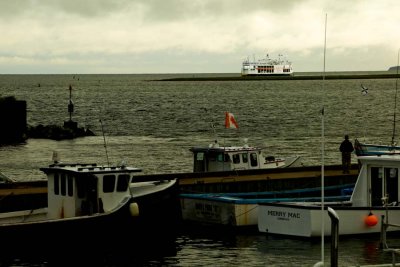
{"points": [[226, 149], [87, 168], [395, 158]]}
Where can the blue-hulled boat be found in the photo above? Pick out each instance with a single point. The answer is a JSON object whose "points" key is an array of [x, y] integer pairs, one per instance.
{"points": [[363, 149], [241, 209]]}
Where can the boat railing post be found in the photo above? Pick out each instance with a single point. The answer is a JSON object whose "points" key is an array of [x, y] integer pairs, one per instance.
{"points": [[382, 242], [334, 236]]}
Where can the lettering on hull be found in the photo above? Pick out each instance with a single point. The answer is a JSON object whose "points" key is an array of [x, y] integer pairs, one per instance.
{"points": [[284, 215]]}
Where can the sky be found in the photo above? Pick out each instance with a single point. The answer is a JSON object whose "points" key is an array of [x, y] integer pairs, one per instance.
{"points": [[195, 36]]}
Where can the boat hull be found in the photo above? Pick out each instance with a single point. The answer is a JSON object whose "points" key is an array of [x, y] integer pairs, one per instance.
{"points": [[241, 209], [362, 149], [219, 212], [138, 216], [306, 220]]}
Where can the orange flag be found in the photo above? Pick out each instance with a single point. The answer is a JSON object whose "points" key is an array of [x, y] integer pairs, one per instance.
{"points": [[230, 121]]}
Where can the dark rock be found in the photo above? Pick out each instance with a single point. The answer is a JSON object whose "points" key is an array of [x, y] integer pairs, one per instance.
{"points": [[70, 130], [13, 127]]}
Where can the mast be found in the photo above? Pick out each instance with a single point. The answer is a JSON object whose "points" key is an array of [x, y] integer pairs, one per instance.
{"points": [[70, 104], [395, 100]]}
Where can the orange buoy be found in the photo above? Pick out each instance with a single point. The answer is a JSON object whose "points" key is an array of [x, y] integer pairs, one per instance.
{"points": [[371, 220]]}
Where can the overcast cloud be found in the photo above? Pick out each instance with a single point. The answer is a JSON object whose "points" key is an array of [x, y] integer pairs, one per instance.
{"points": [[196, 36]]}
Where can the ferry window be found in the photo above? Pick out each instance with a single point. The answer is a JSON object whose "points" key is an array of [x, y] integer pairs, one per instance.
{"points": [[108, 183], [253, 159], [56, 184], [245, 158], [70, 182], [236, 158], [63, 184], [122, 182]]}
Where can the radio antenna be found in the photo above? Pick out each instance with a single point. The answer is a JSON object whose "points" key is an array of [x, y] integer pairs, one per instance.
{"points": [[105, 143]]}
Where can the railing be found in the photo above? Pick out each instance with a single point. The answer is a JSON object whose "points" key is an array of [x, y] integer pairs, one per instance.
{"points": [[383, 239]]}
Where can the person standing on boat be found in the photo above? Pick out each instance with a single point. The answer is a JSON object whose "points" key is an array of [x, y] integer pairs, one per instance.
{"points": [[346, 147]]}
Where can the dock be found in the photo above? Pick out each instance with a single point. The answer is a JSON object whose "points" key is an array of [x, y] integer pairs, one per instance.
{"points": [[33, 194], [259, 180]]}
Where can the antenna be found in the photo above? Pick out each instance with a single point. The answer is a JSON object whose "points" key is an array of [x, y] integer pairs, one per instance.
{"points": [[105, 143], [321, 263], [395, 99]]}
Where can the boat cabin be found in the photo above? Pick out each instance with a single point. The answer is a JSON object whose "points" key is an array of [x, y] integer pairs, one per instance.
{"points": [[85, 189], [378, 181], [215, 158]]}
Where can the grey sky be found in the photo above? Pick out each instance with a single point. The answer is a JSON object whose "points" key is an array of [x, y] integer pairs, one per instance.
{"points": [[196, 36]]}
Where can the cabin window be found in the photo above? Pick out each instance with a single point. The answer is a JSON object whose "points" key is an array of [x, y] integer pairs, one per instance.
{"points": [[108, 183], [253, 159], [392, 185], [199, 156], [245, 158], [220, 157], [122, 182], [227, 158], [393, 173], [70, 182], [81, 187], [56, 184], [216, 157], [212, 157], [63, 184], [236, 158]]}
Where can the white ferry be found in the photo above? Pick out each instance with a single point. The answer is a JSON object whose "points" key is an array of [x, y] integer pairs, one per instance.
{"points": [[267, 66]]}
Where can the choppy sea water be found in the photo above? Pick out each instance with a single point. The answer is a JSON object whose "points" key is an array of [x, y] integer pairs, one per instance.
{"points": [[152, 124]]}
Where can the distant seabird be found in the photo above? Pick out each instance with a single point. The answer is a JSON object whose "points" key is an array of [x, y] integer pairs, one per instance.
{"points": [[364, 90]]}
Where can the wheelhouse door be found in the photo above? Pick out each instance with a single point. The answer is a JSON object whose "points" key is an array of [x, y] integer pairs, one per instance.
{"points": [[384, 183], [199, 162], [392, 184]]}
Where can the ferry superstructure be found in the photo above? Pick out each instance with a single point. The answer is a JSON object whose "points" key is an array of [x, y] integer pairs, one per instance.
{"points": [[267, 66]]}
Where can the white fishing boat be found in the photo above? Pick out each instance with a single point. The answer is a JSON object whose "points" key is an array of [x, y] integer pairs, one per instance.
{"points": [[375, 194], [90, 202], [216, 158], [266, 66], [241, 209]]}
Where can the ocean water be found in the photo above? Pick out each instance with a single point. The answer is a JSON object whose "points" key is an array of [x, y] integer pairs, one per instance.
{"points": [[151, 124]]}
